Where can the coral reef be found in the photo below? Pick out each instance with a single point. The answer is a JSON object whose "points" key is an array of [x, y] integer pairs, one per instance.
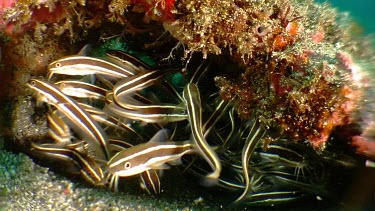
{"points": [[290, 78]]}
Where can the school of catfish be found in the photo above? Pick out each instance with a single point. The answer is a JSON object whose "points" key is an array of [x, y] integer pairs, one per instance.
{"points": [[107, 118]]}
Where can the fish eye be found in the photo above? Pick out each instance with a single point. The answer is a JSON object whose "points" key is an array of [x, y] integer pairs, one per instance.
{"points": [[127, 165], [58, 64]]}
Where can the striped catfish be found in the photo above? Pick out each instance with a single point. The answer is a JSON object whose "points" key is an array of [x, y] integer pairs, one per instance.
{"points": [[89, 169], [76, 117], [273, 198], [255, 135], [105, 119], [150, 181], [84, 65], [123, 101], [151, 115], [231, 184], [127, 61], [219, 111], [80, 89], [153, 155], [192, 99], [58, 129], [125, 89], [134, 83]]}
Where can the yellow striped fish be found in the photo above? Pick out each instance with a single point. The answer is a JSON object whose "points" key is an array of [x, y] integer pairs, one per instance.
{"points": [[153, 155]]}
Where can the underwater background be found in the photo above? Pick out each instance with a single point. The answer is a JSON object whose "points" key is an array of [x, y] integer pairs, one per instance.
{"points": [[361, 11]]}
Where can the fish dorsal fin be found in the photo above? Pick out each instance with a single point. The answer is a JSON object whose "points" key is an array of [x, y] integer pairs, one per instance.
{"points": [[160, 136], [85, 51]]}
